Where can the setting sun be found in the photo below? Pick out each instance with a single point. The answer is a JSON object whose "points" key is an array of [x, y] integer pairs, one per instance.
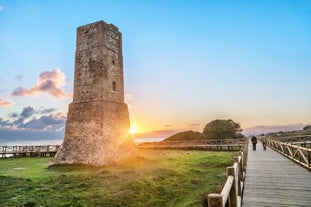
{"points": [[132, 130]]}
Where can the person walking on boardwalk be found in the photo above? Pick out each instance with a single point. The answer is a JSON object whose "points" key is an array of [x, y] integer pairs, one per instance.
{"points": [[264, 142], [254, 141]]}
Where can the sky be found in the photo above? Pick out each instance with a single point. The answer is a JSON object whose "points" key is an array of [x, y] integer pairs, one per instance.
{"points": [[186, 63]]}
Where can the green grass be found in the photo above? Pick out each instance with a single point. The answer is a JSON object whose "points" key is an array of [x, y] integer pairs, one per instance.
{"points": [[155, 178]]}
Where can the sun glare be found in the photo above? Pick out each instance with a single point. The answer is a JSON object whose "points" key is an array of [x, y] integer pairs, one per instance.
{"points": [[132, 130]]}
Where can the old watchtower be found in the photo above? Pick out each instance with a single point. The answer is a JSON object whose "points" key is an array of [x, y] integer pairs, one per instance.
{"points": [[98, 119]]}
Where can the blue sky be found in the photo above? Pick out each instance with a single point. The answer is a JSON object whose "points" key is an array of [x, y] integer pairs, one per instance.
{"points": [[186, 63]]}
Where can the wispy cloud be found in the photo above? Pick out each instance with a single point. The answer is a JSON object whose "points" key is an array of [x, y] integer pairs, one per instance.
{"points": [[5, 103], [1, 8], [48, 82], [46, 111]]}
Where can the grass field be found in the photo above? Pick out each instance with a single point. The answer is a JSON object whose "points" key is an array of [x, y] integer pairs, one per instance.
{"points": [[156, 178]]}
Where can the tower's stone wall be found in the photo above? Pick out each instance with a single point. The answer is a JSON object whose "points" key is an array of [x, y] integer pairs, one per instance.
{"points": [[98, 119], [98, 63]]}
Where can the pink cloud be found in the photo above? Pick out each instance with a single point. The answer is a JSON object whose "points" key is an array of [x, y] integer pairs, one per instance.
{"points": [[48, 82], [5, 103]]}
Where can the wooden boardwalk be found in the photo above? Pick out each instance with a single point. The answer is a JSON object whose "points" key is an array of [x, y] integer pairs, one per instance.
{"points": [[201, 144], [272, 180], [32, 151]]}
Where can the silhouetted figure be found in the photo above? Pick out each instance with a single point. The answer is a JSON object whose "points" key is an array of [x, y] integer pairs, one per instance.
{"points": [[254, 141], [264, 142]]}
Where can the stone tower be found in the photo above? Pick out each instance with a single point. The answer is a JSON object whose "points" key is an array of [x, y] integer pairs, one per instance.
{"points": [[97, 127]]}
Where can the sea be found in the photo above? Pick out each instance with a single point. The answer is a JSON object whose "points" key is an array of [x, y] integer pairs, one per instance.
{"points": [[59, 141]]}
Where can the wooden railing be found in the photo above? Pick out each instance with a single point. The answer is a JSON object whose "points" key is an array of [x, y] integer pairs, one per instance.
{"points": [[23, 151], [301, 155], [303, 140], [207, 144], [232, 192]]}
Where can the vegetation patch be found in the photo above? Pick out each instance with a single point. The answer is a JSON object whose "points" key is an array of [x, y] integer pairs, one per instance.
{"points": [[155, 178], [217, 129]]}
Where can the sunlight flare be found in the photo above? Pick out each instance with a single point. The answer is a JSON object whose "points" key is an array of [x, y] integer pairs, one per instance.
{"points": [[132, 130]]}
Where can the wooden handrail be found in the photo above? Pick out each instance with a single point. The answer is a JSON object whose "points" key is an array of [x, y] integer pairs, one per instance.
{"points": [[302, 140], [204, 144], [232, 191], [33, 150], [227, 188], [198, 141], [300, 155]]}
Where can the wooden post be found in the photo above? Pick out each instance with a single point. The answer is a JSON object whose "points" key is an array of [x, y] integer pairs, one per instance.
{"points": [[298, 153], [308, 157], [238, 174], [240, 153], [215, 200], [233, 195]]}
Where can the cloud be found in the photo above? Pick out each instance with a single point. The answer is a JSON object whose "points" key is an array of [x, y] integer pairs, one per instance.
{"points": [[5, 103], [27, 112], [1, 8], [4, 122], [48, 82], [50, 122], [10, 135], [47, 111], [51, 126], [28, 119], [20, 118], [14, 115]]}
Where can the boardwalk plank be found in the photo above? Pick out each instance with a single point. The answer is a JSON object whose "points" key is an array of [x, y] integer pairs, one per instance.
{"points": [[273, 180]]}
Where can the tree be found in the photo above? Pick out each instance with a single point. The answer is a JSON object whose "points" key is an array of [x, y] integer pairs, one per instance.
{"points": [[222, 129], [308, 127]]}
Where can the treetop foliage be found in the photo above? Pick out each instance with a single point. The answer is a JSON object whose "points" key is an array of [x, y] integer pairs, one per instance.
{"points": [[217, 129], [222, 129]]}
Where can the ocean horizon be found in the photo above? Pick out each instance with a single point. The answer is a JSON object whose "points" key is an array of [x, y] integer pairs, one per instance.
{"points": [[59, 141]]}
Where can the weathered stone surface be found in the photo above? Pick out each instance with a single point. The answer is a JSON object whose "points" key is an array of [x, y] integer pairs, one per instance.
{"points": [[98, 120]]}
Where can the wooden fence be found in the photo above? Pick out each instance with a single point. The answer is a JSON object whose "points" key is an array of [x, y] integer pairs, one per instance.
{"points": [[208, 144], [32, 151], [301, 155], [232, 192], [302, 140]]}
